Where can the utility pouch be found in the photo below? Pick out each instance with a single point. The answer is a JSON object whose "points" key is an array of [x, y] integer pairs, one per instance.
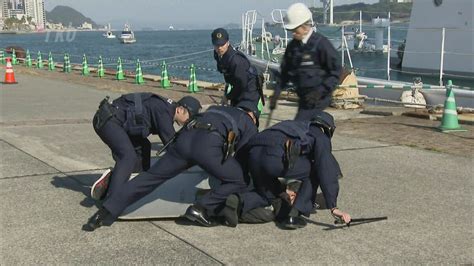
{"points": [[103, 114], [229, 145], [292, 152], [260, 80], [135, 122]]}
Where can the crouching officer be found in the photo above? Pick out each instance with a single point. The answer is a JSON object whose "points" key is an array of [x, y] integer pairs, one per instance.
{"points": [[243, 79], [310, 63], [209, 141], [124, 126], [298, 150]]}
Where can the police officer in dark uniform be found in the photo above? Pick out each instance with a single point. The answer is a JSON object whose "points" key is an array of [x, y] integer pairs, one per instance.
{"points": [[124, 126], [310, 63], [238, 72], [298, 150], [210, 141]]}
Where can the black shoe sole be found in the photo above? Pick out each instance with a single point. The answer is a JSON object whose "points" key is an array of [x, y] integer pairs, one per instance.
{"points": [[89, 227], [230, 210], [196, 220], [293, 226]]}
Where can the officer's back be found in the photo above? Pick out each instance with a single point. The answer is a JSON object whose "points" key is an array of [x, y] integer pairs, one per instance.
{"points": [[228, 118]]}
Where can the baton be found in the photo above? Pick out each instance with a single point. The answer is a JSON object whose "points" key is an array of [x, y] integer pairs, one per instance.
{"points": [[166, 145], [269, 119], [358, 221], [187, 124]]}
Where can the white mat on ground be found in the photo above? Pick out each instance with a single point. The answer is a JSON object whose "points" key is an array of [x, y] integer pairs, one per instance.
{"points": [[172, 198]]}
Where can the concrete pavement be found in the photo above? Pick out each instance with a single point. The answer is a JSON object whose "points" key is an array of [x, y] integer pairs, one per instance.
{"points": [[50, 156]]}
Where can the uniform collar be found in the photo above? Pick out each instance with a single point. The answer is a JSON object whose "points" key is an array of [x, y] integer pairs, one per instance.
{"points": [[306, 38], [228, 53]]}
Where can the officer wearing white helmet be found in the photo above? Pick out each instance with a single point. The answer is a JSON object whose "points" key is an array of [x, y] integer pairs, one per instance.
{"points": [[310, 63]]}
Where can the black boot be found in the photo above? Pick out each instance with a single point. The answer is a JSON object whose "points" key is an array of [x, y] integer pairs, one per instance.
{"points": [[315, 208], [231, 210], [198, 214], [293, 221], [100, 218]]}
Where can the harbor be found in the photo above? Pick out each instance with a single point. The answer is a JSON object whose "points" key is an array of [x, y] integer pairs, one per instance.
{"points": [[422, 180], [404, 135]]}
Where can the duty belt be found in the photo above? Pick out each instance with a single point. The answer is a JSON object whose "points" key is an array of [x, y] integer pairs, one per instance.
{"points": [[202, 125], [229, 141]]}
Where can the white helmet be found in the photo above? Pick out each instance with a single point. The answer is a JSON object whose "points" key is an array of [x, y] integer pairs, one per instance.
{"points": [[297, 15]]}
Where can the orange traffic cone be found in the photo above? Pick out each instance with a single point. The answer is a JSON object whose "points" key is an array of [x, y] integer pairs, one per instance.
{"points": [[9, 75]]}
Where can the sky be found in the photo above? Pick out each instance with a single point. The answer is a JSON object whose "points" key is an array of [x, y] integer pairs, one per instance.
{"points": [[160, 14]]}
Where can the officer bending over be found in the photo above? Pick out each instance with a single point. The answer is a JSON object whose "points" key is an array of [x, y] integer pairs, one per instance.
{"points": [[238, 72], [310, 63], [124, 126], [209, 141], [294, 150]]}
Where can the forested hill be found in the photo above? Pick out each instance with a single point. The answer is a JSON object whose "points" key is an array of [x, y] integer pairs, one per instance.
{"points": [[398, 11], [68, 16]]}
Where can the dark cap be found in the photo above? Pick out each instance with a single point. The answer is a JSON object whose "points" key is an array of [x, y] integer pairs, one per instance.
{"points": [[219, 37], [191, 104]]}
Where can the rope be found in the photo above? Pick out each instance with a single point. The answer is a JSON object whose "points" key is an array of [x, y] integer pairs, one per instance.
{"points": [[430, 29], [456, 53], [407, 87], [396, 102], [124, 61], [414, 73], [434, 74]]}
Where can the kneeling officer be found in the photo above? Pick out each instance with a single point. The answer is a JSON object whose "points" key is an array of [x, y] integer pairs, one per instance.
{"points": [[298, 150], [210, 141], [124, 126]]}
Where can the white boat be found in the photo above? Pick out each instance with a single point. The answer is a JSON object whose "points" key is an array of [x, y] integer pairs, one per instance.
{"points": [[263, 57], [171, 27], [109, 34], [127, 35]]}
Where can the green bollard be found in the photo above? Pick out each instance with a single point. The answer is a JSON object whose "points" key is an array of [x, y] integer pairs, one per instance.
{"points": [[14, 60], [119, 74], [65, 63], [39, 61], [165, 82], [85, 67], [192, 85], [100, 68], [28, 62], [449, 122], [138, 74], [51, 66]]}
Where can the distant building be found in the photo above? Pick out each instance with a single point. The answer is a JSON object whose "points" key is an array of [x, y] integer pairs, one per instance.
{"points": [[16, 4], [4, 9], [16, 13], [35, 10], [86, 26], [54, 26]]}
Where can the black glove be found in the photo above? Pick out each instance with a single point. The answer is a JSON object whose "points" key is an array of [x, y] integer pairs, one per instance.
{"points": [[313, 97], [284, 206], [273, 102]]}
